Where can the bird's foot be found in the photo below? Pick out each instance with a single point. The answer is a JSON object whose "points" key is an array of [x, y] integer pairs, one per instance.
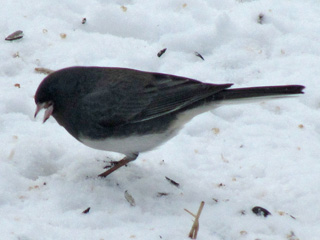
{"points": [[111, 164], [116, 165]]}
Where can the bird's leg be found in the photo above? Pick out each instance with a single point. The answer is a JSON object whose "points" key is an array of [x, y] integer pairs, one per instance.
{"points": [[119, 164]]}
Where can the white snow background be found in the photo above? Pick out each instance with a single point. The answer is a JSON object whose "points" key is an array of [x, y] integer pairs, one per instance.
{"points": [[264, 153]]}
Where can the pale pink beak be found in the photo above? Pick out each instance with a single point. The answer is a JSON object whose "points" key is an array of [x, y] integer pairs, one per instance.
{"points": [[48, 112]]}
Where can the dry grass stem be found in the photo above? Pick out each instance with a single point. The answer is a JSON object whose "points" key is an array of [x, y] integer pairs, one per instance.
{"points": [[195, 227], [43, 70]]}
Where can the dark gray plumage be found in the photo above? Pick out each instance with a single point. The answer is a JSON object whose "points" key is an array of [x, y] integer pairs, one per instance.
{"points": [[131, 111]]}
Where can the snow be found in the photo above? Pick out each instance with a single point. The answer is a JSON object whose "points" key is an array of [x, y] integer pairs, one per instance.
{"points": [[263, 153]]}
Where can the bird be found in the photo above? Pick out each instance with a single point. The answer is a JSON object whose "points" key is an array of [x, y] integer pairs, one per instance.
{"points": [[131, 111]]}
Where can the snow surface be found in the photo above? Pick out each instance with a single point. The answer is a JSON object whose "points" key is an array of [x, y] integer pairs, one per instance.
{"points": [[265, 153]]}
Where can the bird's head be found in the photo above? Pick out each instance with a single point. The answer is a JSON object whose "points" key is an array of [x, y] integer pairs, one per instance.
{"points": [[60, 90]]}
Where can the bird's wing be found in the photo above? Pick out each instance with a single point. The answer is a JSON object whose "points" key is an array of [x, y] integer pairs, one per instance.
{"points": [[137, 101], [175, 93]]}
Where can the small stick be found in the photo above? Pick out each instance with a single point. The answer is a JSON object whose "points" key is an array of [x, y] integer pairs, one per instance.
{"points": [[173, 182], [160, 194], [195, 227], [43, 70], [199, 55]]}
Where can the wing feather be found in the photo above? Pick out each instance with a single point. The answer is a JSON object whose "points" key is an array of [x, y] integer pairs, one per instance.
{"points": [[145, 98]]}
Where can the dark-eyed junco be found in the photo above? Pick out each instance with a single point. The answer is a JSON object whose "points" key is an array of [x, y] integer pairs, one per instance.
{"points": [[130, 111]]}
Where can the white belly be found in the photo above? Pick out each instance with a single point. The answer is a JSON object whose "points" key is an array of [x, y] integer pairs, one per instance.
{"points": [[136, 143], [128, 145]]}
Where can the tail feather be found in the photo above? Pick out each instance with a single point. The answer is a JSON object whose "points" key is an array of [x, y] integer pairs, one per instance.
{"points": [[251, 92]]}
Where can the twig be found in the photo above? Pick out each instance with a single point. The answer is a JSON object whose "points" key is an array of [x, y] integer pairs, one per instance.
{"points": [[43, 70], [161, 194], [173, 182], [199, 55], [195, 227]]}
